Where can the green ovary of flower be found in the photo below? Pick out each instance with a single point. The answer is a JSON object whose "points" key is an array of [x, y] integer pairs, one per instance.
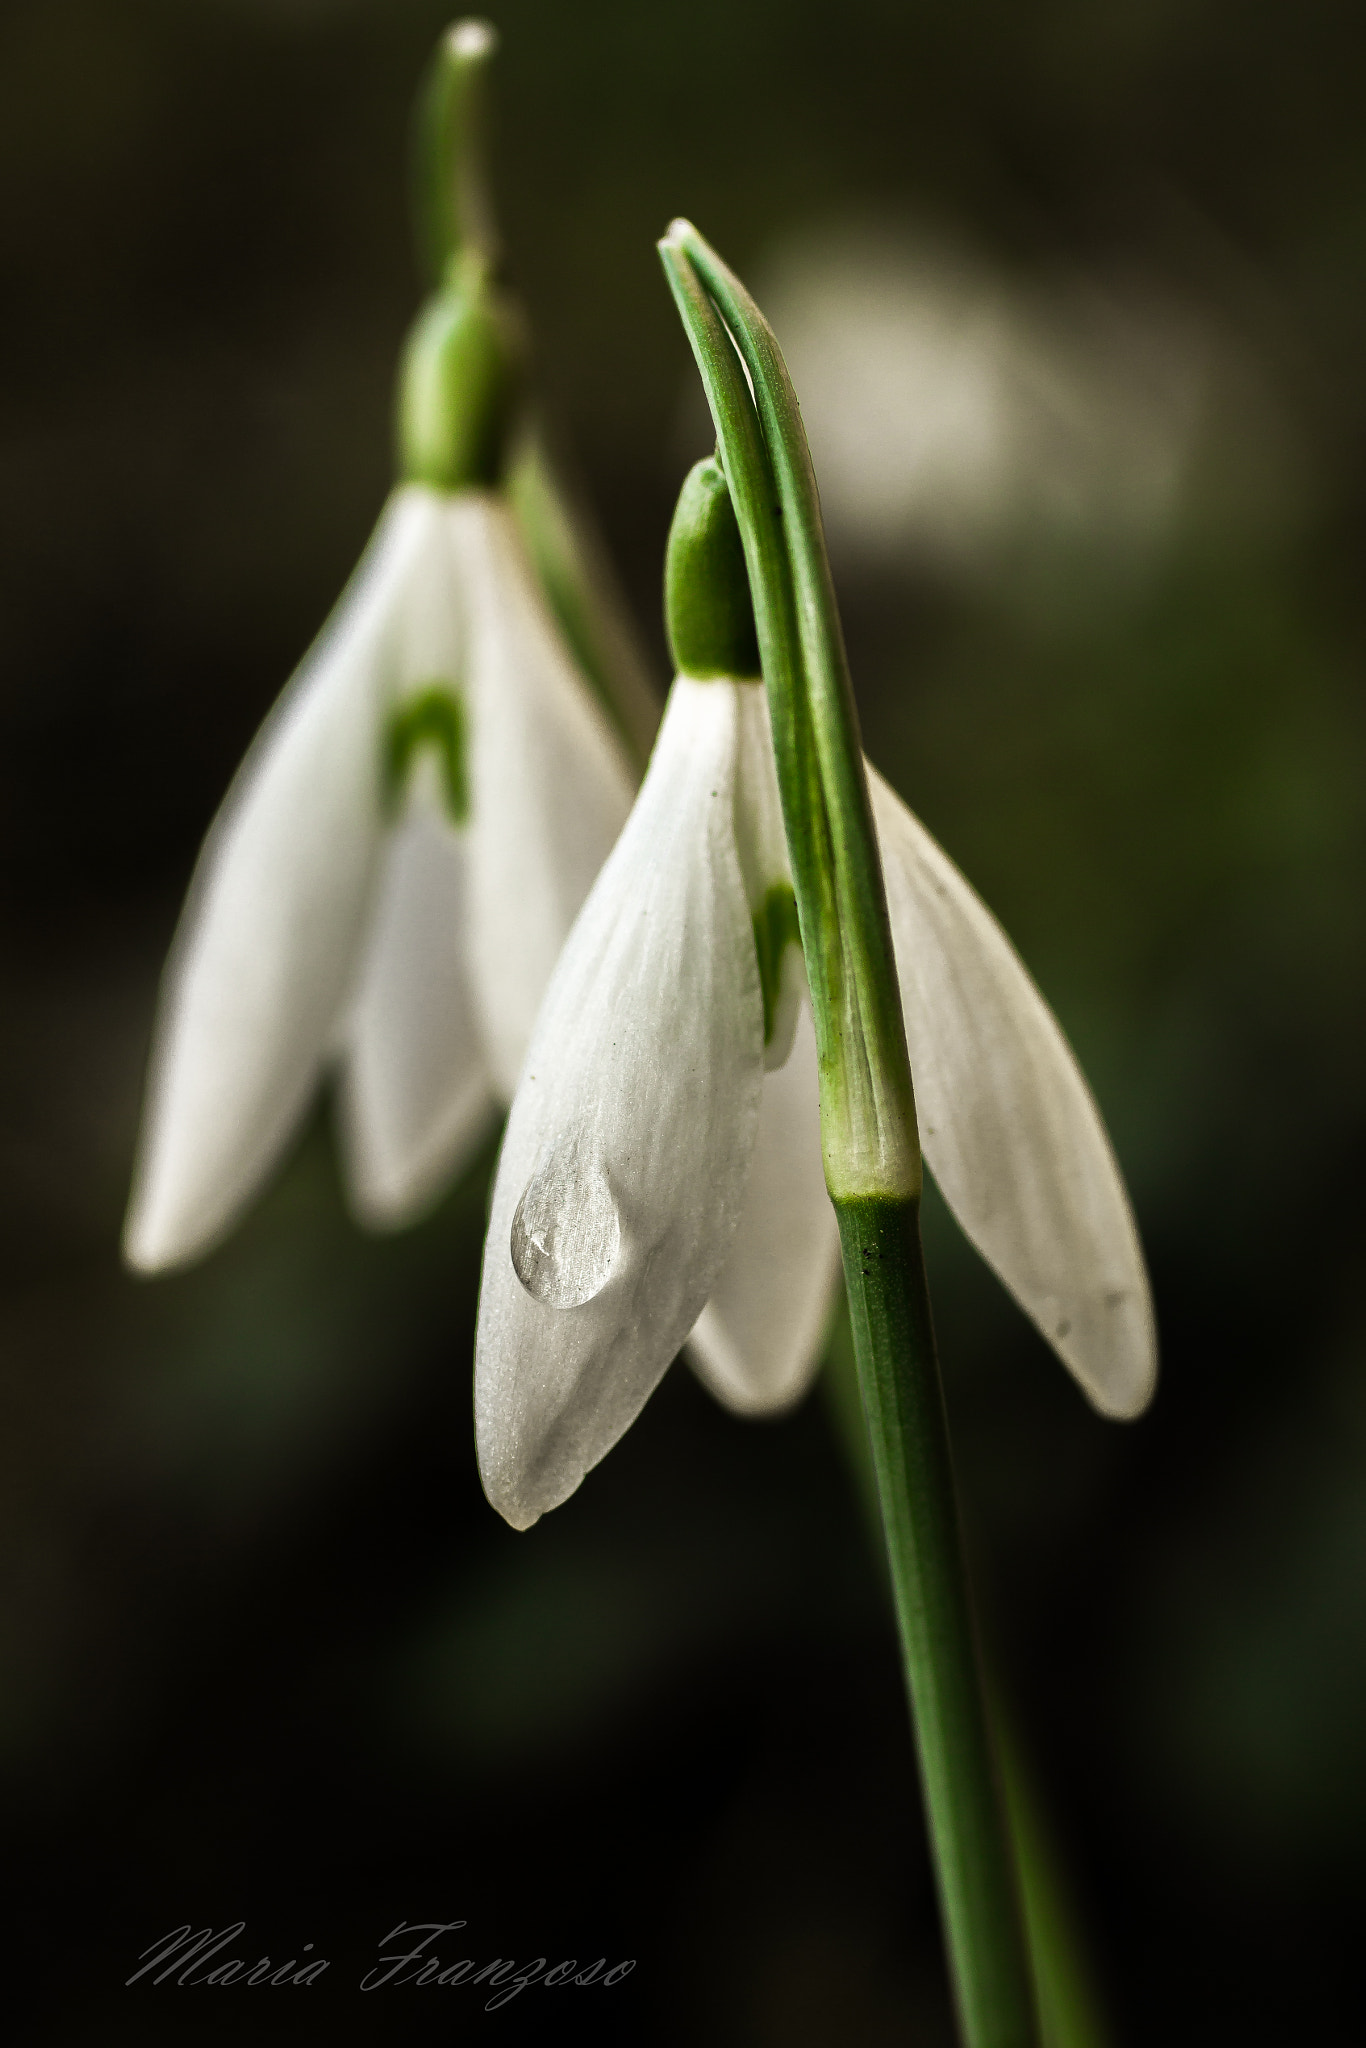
{"points": [[707, 608], [434, 718], [461, 387]]}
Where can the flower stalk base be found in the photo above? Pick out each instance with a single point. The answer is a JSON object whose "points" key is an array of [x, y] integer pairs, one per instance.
{"points": [[903, 1402]]}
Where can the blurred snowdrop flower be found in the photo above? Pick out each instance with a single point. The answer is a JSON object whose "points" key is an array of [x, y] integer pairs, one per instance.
{"points": [[661, 1178], [386, 887], [949, 410], [393, 872]]}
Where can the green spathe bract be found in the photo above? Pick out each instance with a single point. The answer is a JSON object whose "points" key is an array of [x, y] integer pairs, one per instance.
{"points": [[707, 608], [868, 1128]]}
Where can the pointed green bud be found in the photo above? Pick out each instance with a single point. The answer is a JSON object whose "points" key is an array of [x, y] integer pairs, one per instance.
{"points": [[461, 385], [707, 608]]}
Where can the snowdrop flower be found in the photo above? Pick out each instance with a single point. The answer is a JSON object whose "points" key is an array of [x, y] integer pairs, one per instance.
{"points": [[392, 874], [661, 1180]]}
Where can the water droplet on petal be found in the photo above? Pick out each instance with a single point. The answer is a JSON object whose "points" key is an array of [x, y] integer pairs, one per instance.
{"points": [[566, 1232]]}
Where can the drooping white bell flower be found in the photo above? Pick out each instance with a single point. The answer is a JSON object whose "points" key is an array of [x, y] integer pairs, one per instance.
{"points": [[392, 874], [625, 1166], [758, 1339], [661, 1176], [386, 887]]}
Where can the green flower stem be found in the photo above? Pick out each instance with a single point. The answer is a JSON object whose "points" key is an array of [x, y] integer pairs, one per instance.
{"points": [[903, 1402], [452, 202], [868, 1126], [1071, 2012], [467, 373], [462, 385]]}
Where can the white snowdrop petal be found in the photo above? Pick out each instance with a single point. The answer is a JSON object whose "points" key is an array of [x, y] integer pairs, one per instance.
{"points": [[623, 1168], [1009, 1126], [266, 947], [416, 1098], [757, 1343], [549, 782]]}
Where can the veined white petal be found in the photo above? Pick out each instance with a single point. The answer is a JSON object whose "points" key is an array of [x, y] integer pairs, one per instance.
{"points": [[762, 844], [627, 1150], [1008, 1124], [757, 1343], [550, 786], [267, 942], [416, 1097]]}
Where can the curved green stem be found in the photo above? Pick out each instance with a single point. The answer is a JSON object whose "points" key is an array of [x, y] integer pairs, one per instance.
{"points": [[457, 233], [452, 202], [868, 1126]]}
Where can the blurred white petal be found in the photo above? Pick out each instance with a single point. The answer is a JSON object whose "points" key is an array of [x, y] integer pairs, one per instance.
{"points": [[1008, 1124], [267, 944], [757, 1343], [550, 785], [952, 411], [416, 1097], [623, 1170]]}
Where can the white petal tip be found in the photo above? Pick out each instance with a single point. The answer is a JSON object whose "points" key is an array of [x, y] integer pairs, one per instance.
{"points": [[1119, 1378], [520, 1502], [756, 1386], [1125, 1403], [743, 1401], [142, 1259], [517, 1519], [149, 1247], [385, 1215]]}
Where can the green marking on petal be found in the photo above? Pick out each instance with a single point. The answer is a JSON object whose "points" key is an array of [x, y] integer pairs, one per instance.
{"points": [[434, 718], [775, 929]]}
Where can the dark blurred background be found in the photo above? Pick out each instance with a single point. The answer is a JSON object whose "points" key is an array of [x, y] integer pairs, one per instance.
{"points": [[1076, 297]]}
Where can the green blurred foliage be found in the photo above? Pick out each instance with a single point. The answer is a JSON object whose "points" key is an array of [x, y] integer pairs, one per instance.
{"points": [[266, 1651]]}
